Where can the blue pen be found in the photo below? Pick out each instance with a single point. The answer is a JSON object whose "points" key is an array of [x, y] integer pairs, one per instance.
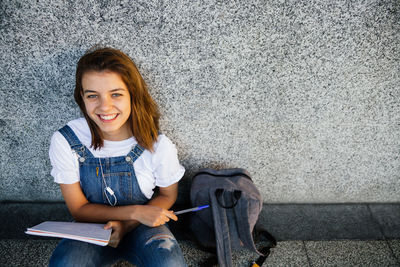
{"points": [[192, 209]]}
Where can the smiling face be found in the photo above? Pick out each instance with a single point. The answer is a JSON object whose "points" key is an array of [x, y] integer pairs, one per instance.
{"points": [[108, 103]]}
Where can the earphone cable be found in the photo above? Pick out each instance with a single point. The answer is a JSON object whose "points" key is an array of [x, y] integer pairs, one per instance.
{"points": [[107, 189]]}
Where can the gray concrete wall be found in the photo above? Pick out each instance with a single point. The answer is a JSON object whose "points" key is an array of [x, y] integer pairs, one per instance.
{"points": [[303, 94]]}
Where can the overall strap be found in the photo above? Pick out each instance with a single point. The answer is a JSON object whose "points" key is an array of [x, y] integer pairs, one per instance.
{"points": [[74, 142], [136, 152]]}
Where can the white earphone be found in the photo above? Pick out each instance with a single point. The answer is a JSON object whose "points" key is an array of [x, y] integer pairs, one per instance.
{"points": [[108, 189]]}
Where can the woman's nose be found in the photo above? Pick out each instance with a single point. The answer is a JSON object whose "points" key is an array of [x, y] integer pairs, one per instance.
{"points": [[105, 103]]}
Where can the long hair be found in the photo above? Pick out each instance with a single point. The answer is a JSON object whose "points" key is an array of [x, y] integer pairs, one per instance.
{"points": [[144, 117]]}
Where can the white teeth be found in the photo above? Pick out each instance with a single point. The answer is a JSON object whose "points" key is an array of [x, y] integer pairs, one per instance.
{"points": [[108, 117]]}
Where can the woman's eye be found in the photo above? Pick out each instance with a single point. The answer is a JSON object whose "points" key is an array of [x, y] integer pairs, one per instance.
{"points": [[116, 95], [91, 96]]}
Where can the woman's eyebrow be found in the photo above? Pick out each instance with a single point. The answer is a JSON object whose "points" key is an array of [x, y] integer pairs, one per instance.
{"points": [[92, 91], [117, 89], [88, 91]]}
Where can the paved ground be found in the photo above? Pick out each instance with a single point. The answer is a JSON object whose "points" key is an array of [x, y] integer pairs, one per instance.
{"points": [[308, 235], [17, 252]]}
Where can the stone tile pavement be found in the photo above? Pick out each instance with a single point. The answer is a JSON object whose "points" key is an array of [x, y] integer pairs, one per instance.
{"points": [[19, 252], [308, 235]]}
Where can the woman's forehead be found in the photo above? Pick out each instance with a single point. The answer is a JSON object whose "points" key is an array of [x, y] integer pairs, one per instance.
{"points": [[105, 80]]}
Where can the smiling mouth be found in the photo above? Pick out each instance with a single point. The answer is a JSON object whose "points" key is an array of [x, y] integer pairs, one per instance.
{"points": [[107, 118]]}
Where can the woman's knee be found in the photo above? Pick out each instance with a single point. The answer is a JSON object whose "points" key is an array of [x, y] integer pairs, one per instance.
{"points": [[156, 247], [76, 253], [165, 251]]}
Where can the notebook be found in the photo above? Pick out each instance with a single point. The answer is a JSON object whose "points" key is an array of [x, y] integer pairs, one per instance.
{"points": [[86, 232]]}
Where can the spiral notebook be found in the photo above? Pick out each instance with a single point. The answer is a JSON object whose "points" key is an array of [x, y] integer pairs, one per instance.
{"points": [[86, 232]]}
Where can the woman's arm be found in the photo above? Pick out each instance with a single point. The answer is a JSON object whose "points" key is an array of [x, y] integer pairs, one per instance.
{"points": [[166, 196], [153, 214], [165, 199]]}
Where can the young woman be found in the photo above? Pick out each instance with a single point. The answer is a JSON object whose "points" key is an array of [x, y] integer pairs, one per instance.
{"points": [[109, 163]]}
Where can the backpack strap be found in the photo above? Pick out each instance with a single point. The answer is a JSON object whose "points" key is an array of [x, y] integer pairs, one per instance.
{"points": [[241, 211], [221, 227], [245, 232]]}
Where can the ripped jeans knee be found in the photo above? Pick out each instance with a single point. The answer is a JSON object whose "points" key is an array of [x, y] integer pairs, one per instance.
{"points": [[162, 241], [156, 246]]}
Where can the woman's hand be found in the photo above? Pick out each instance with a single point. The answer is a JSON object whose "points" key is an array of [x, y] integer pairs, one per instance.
{"points": [[153, 216], [118, 232]]}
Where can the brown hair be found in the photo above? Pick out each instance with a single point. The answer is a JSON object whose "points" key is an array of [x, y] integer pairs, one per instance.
{"points": [[144, 117]]}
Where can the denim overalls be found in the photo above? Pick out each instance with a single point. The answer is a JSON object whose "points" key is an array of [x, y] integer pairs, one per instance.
{"points": [[144, 246]]}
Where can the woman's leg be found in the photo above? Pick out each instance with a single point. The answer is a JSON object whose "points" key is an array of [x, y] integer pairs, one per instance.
{"points": [[76, 253], [152, 246]]}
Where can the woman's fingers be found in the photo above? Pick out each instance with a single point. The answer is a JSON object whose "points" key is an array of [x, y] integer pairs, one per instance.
{"points": [[108, 225], [164, 217], [155, 216], [116, 234], [113, 243], [167, 215], [171, 215]]}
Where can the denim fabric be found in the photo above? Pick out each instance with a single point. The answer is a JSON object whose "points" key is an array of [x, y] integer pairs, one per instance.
{"points": [[144, 246], [118, 172]]}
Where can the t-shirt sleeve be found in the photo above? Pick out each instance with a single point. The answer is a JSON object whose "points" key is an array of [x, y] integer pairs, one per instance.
{"points": [[64, 163], [167, 169]]}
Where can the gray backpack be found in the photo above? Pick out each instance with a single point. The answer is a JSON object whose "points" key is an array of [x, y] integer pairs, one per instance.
{"points": [[228, 224]]}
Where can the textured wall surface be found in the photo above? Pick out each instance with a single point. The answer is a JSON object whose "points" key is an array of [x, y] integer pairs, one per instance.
{"points": [[303, 94]]}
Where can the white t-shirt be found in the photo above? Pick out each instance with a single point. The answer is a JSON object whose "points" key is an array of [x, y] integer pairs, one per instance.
{"points": [[159, 168]]}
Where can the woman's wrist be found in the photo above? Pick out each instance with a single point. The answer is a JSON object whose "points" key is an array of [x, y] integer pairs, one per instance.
{"points": [[130, 225], [134, 213]]}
